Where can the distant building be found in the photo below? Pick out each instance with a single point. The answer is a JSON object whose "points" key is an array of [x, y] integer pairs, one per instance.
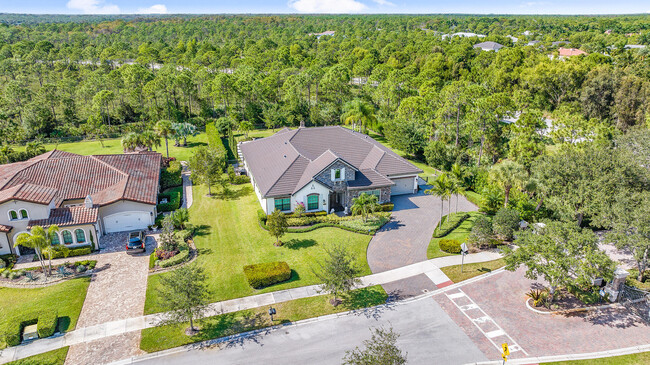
{"points": [[513, 39], [527, 33], [634, 46], [489, 46], [559, 43], [608, 31], [327, 33], [568, 52], [533, 43], [463, 34]]}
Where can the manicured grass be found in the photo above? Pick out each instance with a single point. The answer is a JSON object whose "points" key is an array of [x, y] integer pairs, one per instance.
{"points": [[471, 270], [66, 298], [169, 336], [459, 234], [113, 146], [54, 357], [474, 197], [230, 238], [641, 358]]}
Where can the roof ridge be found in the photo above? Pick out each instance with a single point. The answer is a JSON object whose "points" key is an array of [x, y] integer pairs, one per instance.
{"points": [[285, 170], [107, 164]]}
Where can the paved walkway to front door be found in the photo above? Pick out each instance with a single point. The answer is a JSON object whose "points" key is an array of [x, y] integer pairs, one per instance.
{"points": [[405, 239], [117, 291]]}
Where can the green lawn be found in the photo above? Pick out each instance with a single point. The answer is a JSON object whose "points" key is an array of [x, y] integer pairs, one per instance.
{"points": [[169, 336], [54, 357], [641, 358], [22, 304], [471, 270], [459, 234], [113, 146], [231, 238]]}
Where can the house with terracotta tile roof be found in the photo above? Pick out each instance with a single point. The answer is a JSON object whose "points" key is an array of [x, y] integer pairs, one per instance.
{"points": [[324, 168], [86, 196], [568, 52]]}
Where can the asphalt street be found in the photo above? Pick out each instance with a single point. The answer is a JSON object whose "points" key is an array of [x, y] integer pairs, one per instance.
{"points": [[427, 334]]}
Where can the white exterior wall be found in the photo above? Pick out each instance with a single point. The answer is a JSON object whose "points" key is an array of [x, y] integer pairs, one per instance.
{"points": [[4, 244], [404, 185], [312, 188], [127, 206], [34, 211]]}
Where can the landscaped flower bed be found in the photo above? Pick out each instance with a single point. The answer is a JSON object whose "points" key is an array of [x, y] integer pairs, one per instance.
{"points": [[570, 298], [310, 221], [35, 275]]}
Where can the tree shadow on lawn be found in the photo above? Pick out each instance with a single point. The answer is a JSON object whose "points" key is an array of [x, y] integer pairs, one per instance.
{"points": [[297, 244], [200, 230], [368, 302], [235, 324], [194, 144], [232, 194]]}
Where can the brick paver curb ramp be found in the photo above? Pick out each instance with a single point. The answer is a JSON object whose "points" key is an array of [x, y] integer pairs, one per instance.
{"points": [[107, 329]]}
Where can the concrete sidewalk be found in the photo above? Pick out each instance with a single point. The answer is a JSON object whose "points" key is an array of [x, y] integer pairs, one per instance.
{"points": [[431, 268], [187, 186]]}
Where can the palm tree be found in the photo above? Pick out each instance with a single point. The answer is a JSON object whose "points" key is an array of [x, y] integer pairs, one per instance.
{"points": [[37, 240], [365, 204], [508, 174], [358, 111], [130, 142], [164, 129], [34, 148], [246, 126], [183, 130], [149, 139], [49, 235], [440, 188], [458, 177]]}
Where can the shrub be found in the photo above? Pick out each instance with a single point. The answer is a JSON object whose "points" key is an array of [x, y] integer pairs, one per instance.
{"points": [[2, 264], [261, 216], [449, 223], [171, 176], [47, 323], [177, 259], [14, 334], [214, 138], [152, 260], [634, 275], [265, 274], [89, 264], [481, 234], [505, 223], [80, 251], [451, 246], [81, 268], [387, 207], [9, 260], [173, 200], [241, 179]]}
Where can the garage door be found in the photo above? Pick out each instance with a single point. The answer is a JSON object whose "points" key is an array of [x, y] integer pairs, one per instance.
{"points": [[404, 185], [126, 221]]}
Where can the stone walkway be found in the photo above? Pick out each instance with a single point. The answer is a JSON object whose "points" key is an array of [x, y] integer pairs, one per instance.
{"points": [[124, 333], [116, 292], [405, 239], [187, 187]]}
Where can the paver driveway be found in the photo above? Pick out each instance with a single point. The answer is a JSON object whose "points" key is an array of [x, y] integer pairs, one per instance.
{"points": [[116, 291], [405, 239]]}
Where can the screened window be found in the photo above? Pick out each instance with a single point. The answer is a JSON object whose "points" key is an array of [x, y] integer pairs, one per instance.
{"points": [[13, 215], [312, 202], [55, 239], [81, 236], [375, 192], [67, 237], [23, 214], [283, 204]]}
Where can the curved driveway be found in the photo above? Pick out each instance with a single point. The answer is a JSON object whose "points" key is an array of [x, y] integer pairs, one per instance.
{"points": [[405, 239]]}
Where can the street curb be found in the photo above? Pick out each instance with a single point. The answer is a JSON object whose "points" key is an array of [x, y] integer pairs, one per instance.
{"points": [[569, 357]]}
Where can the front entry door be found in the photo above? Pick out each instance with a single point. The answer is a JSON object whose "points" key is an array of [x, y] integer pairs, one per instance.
{"points": [[336, 201]]}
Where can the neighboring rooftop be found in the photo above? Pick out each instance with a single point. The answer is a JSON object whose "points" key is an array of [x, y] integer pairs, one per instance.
{"points": [[285, 162], [568, 52], [327, 33], [489, 46], [67, 216], [58, 176]]}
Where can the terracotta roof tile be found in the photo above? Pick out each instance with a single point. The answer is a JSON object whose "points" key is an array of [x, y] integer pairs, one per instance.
{"points": [[4, 228], [67, 216]]}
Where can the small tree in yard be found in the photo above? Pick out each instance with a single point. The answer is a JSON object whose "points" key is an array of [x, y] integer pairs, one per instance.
{"points": [[167, 239], [481, 233], [207, 166], [562, 253], [184, 293], [380, 349], [277, 225], [505, 223], [338, 271], [365, 204]]}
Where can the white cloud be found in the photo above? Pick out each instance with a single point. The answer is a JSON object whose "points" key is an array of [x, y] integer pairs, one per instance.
{"points": [[154, 9], [383, 2], [93, 7], [327, 6]]}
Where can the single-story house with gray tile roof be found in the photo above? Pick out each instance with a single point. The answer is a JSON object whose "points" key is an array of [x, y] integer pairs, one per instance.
{"points": [[324, 168]]}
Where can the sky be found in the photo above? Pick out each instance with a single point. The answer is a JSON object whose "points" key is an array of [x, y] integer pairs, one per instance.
{"points": [[325, 6]]}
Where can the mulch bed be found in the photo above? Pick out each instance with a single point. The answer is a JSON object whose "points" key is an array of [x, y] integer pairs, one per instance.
{"points": [[566, 301]]}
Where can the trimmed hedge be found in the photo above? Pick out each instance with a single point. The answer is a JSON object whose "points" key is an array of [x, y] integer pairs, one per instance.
{"points": [[14, 334], [177, 259], [173, 201], [387, 207], [171, 176], [47, 323], [451, 246], [214, 138], [330, 222], [449, 223], [266, 274], [87, 250], [9, 260]]}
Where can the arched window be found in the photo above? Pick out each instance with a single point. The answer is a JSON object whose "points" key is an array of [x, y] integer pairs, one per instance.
{"points": [[55, 239], [81, 236], [67, 237], [23, 214], [13, 215]]}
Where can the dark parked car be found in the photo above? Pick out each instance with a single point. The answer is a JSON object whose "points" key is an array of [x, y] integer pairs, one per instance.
{"points": [[135, 242]]}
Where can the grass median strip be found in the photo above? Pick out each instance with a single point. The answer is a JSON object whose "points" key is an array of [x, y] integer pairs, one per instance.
{"points": [[54, 357], [459, 234], [472, 270], [170, 336], [633, 359]]}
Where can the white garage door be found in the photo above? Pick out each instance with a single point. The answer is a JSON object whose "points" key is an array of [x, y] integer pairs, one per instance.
{"points": [[404, 185], [126, 221]]}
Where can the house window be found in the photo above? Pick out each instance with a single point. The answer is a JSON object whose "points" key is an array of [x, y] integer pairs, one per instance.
{"points": [[312, 202], [13, 215], [283, 204], [67, 237], [23, 214], [375, 192], [337, 174], [81, 236], [54, 240]]}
